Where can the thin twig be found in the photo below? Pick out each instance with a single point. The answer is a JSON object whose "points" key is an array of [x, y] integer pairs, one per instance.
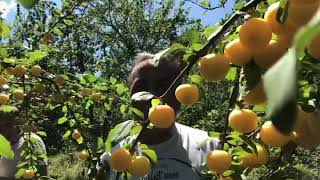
{"points": [[208, 8]]}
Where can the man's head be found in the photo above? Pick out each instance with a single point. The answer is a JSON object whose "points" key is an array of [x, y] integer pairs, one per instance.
{"points": [[7, 125], [149, 76]]}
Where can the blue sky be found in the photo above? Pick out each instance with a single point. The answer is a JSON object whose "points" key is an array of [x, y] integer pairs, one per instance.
{"points": [[209, 18]]}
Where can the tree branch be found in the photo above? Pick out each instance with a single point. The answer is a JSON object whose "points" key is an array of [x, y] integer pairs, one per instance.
{"points": [[231, 104], [208, 8], [213, 41]]}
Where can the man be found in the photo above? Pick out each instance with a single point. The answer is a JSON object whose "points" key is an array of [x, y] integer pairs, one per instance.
{"points": [[18, 139], [181, 150]]}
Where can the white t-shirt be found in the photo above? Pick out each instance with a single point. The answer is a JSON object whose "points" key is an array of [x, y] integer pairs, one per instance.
{"points": [[182, 157], [8, 167]]}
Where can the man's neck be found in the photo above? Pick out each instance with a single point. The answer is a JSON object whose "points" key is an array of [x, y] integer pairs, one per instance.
{"points": [[156, 136]]}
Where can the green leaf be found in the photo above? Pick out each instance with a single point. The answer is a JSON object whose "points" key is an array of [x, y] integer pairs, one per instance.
{"points": [[3, 52], [192, 35], [123, 109], [304, 169], [214, 134], [205, 3], [28, 4], [121, 89], [121, 131], [197, 79], [58, 31], [66, 134], [249, 77], [6, 149], [197, 46], [113, 80], [62, 120], [5, 29], [175, 52], [151, 154], [19, 174], [155, 102], [9, 60], [90, 77], [7, 108], [137, 112], [68, 22], [35, 56], [42, 133], [100, 143], [232, 73], [136, 129], [142, 96]]}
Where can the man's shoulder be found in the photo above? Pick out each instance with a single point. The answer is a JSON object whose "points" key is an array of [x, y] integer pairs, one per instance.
{"points": [[183, 129]]}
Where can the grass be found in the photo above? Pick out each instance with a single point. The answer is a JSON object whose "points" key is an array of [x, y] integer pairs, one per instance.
{"points": [[65, 167]]}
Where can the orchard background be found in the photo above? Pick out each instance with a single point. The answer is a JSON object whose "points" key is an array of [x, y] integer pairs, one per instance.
{"points": [[85, 50]]}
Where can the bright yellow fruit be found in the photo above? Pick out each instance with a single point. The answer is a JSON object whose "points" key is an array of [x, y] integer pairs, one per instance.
{"points": [[301, 13], [187, 94], [271, 136], [84, 155], [20, 70], [121, 160], [59, 80], [96, 97], [255, 34], [140, 166], [85, 92], [313, 47], [243, 120], [4, 99], [237, 53], [285, 40], [18, 94], [270, 54], [218, 161], [3, 81], [213, 67], [28, 174], [256, 95], [76, 134], [162, 116], [36, 70], [278, 28]]}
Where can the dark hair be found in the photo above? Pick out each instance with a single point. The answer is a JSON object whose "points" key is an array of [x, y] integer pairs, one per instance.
{"points": [[161, 57], [8, 117]]}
